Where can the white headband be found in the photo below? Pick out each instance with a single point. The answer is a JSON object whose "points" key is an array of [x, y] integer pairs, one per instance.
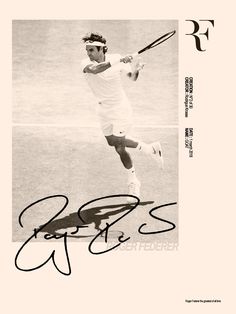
{"points": [[94, 43]]}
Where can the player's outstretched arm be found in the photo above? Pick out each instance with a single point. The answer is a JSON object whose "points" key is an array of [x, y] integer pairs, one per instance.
{"points": [[97, 68], [101, 67]]}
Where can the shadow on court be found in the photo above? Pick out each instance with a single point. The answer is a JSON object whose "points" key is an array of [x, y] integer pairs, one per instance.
{"points": [[89, 216]]}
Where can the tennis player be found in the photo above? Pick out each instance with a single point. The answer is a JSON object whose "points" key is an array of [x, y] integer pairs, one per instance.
{"points": [[103, 74]]}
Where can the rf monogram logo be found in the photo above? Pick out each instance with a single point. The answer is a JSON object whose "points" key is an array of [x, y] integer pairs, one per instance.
{"points": [[197, 34]]}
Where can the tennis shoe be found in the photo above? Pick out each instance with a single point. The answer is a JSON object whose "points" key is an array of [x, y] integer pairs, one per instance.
{"points": [[133, 189], [157, 154]]}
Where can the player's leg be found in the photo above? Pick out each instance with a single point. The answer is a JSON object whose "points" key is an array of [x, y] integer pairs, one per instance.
{"points": [[131, 143], [120, 130], [117, 140], [154, 149], [119, 144], [122, 126], [133, 183]]}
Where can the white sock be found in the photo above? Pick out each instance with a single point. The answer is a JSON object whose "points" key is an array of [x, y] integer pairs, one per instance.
{"points": [[131, 174], [145, 148]]}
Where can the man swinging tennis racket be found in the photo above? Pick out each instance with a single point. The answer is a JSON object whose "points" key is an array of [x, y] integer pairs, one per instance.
{"points": [[103, 74]]}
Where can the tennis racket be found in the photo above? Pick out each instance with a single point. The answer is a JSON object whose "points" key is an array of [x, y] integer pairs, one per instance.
{"points": [[155, 43]]}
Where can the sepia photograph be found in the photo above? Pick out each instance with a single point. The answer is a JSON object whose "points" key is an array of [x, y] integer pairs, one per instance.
{"points": [[95, 120]]}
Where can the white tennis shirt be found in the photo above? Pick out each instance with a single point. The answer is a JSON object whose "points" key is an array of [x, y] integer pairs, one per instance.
{"points": [[107, 87]]}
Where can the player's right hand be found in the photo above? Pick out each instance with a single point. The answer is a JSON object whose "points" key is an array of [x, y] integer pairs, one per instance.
{"points": [[127, 59]]}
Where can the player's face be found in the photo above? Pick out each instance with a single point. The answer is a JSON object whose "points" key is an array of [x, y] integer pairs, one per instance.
{"points": [[94, 53]]}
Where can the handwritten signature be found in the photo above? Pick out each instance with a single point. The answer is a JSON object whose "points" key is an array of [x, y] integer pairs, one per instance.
{"points": [[102, 233]]}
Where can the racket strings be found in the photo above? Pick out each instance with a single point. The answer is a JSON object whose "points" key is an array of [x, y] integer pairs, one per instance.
{"points": [[158, 41]]}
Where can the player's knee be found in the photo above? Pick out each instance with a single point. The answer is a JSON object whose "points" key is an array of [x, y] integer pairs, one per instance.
{"points": [[119, 149], [117, 142], [110, 141]]}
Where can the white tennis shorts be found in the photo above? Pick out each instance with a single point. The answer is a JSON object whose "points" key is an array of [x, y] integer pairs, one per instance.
{"points": [[118, 128], [116, 121]]}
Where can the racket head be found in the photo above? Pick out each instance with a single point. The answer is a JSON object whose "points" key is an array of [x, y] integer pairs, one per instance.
{"points": [[158, 41]]}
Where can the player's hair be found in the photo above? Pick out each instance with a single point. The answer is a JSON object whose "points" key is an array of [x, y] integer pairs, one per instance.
{"points": [[96, 37]]}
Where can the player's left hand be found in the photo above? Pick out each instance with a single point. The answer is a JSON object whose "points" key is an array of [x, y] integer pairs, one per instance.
{"points": [[139, 65]]}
